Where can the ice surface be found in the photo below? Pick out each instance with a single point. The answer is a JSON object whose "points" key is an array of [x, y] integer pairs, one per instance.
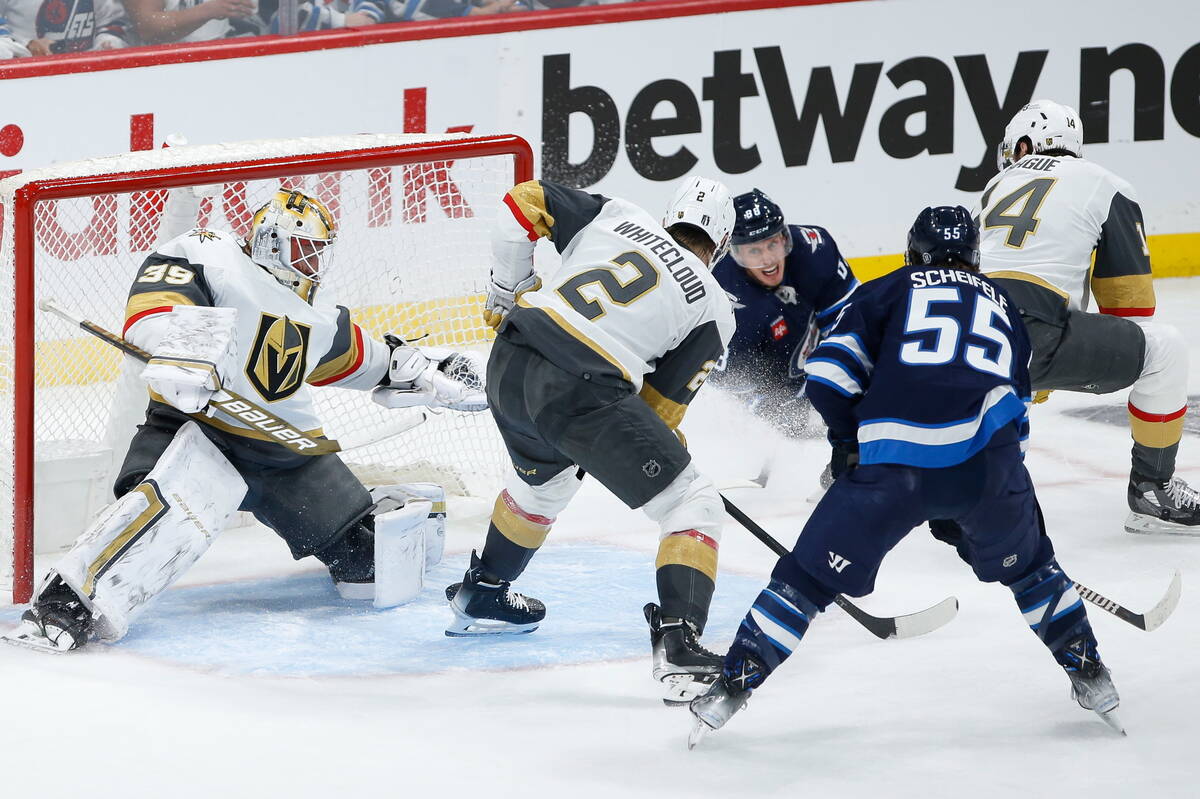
{"points": [[975, 709]]}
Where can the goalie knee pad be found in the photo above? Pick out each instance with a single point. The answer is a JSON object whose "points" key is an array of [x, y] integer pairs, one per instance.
{"points": [[144, 541]]}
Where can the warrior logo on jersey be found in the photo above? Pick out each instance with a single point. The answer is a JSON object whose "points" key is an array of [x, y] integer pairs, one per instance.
{"points": [[278, 357]]}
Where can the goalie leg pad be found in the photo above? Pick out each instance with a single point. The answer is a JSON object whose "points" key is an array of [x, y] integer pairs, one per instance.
{"points": [[145, 540], [400, 553], [391, 497]]}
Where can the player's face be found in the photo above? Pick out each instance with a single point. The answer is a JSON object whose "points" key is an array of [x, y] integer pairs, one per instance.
{"points": [[306, 255], [764, 259]]}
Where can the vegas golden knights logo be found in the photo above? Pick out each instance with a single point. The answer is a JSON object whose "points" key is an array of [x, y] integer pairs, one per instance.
{"points": [[278, 357]]}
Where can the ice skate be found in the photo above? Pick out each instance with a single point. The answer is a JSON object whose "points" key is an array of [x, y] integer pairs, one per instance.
{"points": [[679, 661], [484, 608], [1171, 507], [717, 706], [1091, 682], [57, 622]]}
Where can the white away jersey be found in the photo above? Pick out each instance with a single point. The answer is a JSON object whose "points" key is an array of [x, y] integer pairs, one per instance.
{"points": [[625, 290], [284, 345], [1041, 219]]}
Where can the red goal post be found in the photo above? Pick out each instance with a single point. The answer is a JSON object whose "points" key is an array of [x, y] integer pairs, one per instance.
{"points": [[414, 214]]}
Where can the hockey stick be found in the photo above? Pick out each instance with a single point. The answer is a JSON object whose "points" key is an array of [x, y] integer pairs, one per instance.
{"points": [[233, 404], [907, 626], [1143, 621]]}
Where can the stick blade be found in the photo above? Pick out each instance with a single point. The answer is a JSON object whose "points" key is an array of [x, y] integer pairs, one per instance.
{"points": [[1166, 606], [928, 620]]}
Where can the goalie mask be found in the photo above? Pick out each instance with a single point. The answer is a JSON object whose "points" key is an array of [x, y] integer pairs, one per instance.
{"points": [[1047, 125], [290, 237]]}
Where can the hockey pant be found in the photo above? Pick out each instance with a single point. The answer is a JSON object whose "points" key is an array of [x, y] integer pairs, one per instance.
{"points": [[143, 542], [556, 427], [867, 511], [1100, 354]]}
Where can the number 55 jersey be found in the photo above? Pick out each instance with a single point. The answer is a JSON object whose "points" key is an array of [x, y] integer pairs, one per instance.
{"points": [[945, 357], [1041, 219], [628, 305]]}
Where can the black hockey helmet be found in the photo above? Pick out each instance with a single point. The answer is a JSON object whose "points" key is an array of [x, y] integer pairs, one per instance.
{"points": [[945, 235], [755, 217]]}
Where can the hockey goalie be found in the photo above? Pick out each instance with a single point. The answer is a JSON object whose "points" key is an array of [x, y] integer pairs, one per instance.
{"points": [[215, 313]]}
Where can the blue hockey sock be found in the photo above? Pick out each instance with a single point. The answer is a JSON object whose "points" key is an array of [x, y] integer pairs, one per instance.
{"points": [[774, 626], [1054, 611]]}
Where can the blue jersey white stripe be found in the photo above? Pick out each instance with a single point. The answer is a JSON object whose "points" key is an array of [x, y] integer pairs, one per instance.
{"points": [[852, 344], [834, 375], [938, 445]]}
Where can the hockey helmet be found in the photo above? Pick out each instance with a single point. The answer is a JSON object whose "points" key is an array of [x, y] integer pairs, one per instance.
{"points": [[946, 235], [757, 218], [704, 204], [1047, 125], [290, 237]]}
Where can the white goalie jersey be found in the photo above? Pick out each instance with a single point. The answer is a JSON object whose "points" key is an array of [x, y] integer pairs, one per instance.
{"points": [[283, 345]]}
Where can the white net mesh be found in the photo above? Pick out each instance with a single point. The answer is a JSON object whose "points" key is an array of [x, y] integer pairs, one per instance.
{"points": [[411, 259]]}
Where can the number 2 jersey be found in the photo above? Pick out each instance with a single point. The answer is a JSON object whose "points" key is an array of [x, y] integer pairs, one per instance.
{"points": [[627, 306], [284, 344], [1042, 218], [925, 366]]}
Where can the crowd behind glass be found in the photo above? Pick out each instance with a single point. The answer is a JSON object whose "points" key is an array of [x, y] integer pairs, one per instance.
{"points": [[49, 27]]}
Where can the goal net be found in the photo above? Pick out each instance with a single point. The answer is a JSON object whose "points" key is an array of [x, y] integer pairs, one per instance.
{"points": [[414, 214]]}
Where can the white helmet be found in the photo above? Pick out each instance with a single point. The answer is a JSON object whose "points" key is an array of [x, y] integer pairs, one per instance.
{"points": [[1048, 126], [705, 204]]}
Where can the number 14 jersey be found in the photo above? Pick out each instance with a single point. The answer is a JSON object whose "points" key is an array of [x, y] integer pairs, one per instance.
{"points": [[1041, 219]]}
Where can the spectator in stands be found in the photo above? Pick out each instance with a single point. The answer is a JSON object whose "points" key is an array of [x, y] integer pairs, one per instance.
{"points": [[45, 27], [163, 21]]}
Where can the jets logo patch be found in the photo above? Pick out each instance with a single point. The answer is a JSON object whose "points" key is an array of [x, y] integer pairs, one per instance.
{"points": [[278, 357]]}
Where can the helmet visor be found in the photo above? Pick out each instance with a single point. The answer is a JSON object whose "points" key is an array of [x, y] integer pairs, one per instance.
{"points": [[764, 253], [310, 257]]}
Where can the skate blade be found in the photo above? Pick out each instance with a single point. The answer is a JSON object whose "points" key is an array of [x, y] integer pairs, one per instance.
{"points": [[465, 626], [28, 636], [1110, 718], [681, 689], [699, 730], [1142, 524]]}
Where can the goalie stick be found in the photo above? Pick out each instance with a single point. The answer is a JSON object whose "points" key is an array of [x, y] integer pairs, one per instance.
{"points": [[907, 626], [227, 401]]}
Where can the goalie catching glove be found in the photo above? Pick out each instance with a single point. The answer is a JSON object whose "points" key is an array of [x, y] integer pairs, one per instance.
{"points": [[446, 380], [196, 349]]}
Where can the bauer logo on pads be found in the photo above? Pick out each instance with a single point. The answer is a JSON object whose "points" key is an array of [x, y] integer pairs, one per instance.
{"points": [[278, 357]]}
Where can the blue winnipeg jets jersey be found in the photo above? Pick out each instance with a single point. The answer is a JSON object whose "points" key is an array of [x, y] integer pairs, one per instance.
{"points": [[927, 365], [777, 328]]}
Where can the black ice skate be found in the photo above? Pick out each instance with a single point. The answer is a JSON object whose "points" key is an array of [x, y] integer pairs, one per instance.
{"points": [[57, 622], [1091, 682], [489, 608], [1170, 506], [678, 660]]}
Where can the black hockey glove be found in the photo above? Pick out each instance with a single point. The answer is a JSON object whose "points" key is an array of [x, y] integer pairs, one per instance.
{"points": [[844, 457]]}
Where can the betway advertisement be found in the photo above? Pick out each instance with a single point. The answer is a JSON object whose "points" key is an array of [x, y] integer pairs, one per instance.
{"points": [[852, 115]]}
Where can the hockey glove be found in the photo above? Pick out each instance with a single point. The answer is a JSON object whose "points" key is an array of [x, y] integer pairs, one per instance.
{"points": [[844, 457], [500, 300], [416, 379], [194, 353]]}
